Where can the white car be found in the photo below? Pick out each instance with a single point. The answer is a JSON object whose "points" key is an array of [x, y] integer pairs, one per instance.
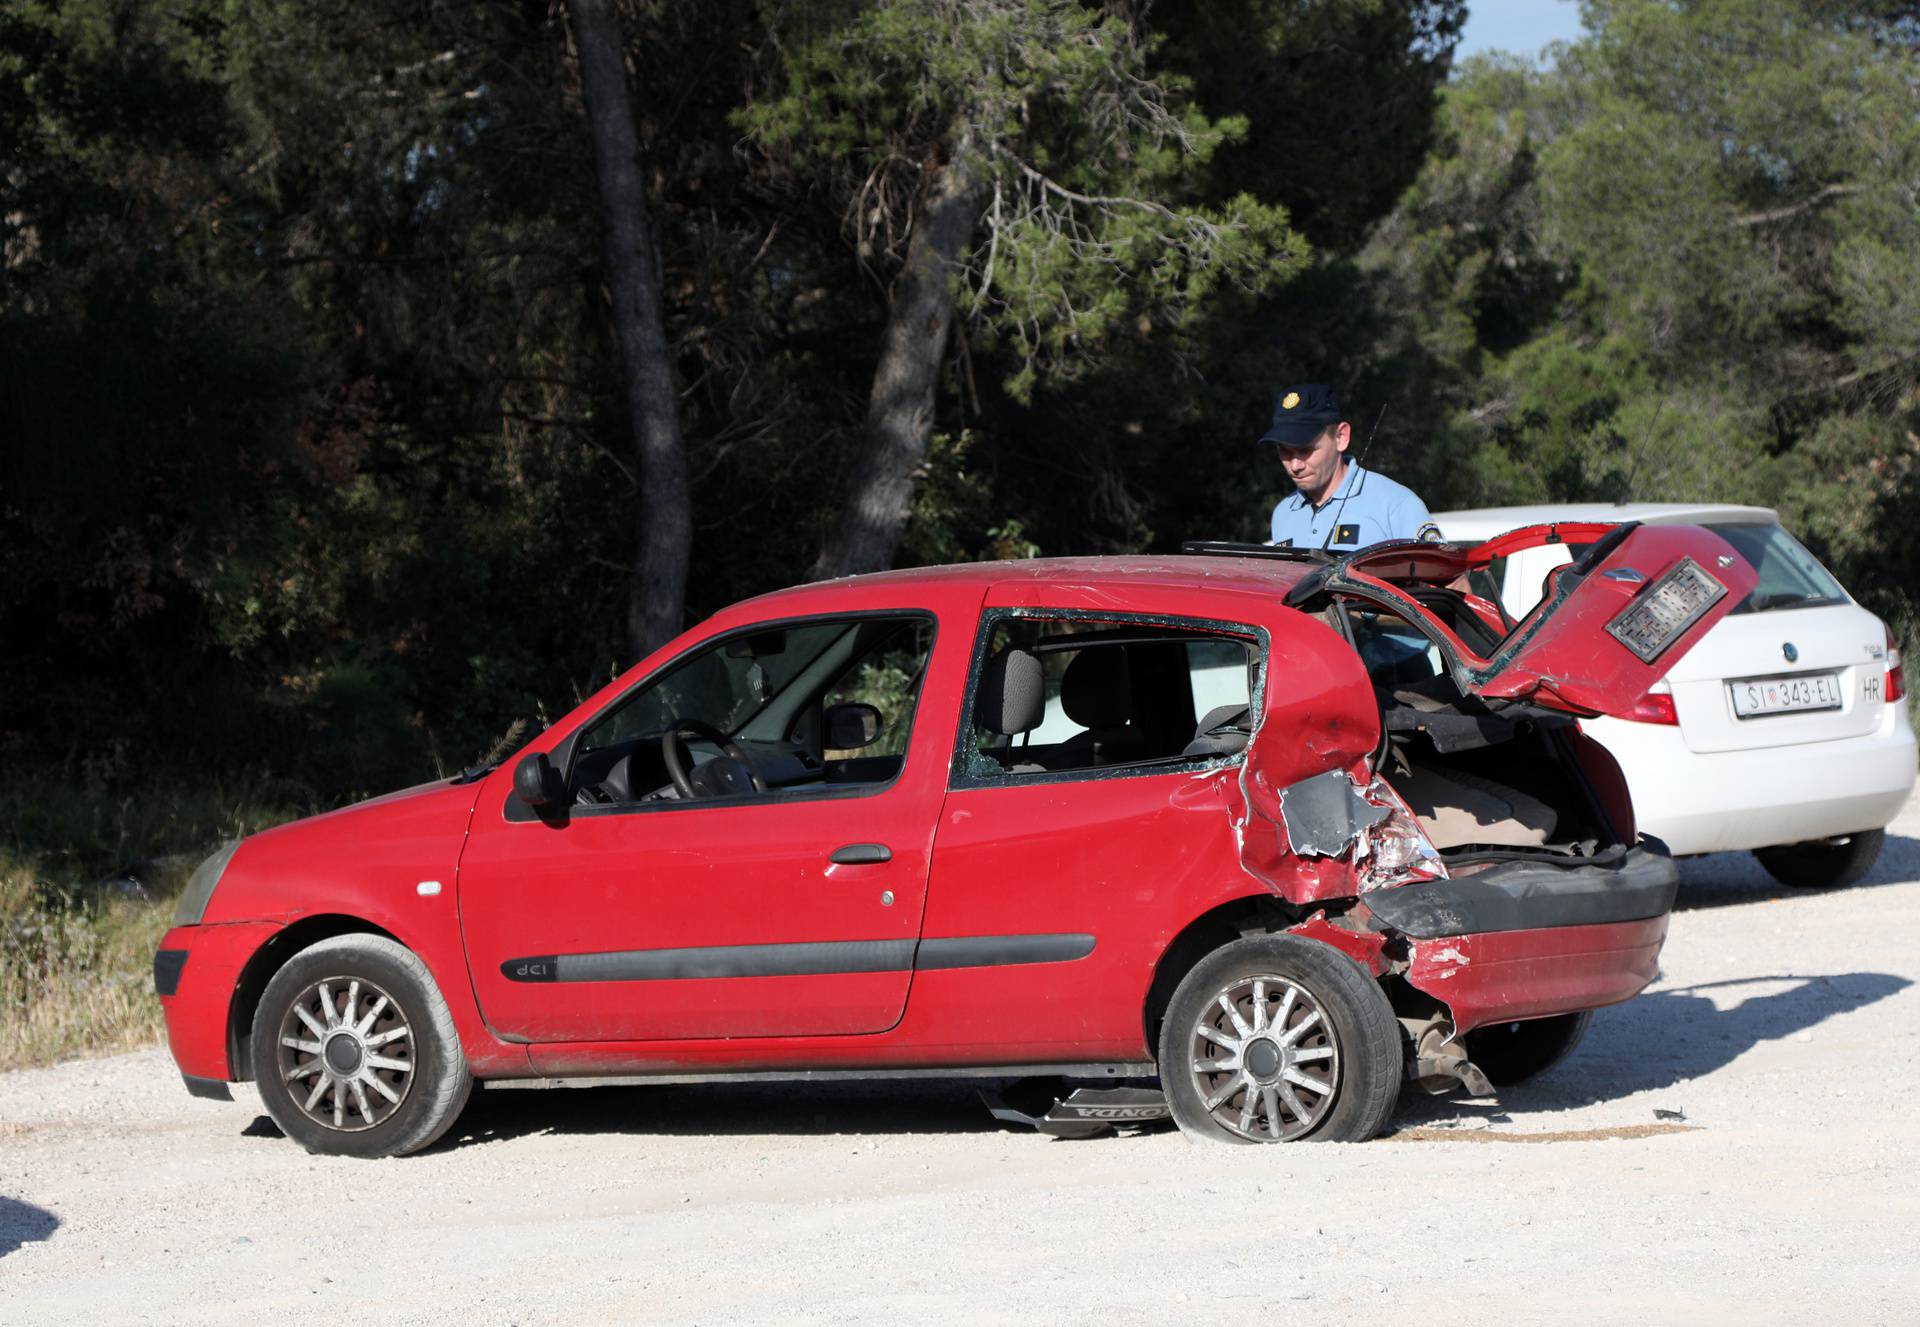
{"points": [[1784, 731]]}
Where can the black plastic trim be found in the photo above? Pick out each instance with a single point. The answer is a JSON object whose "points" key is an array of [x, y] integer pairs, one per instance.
{"points": [[168, 964], [861, 854], [1533, 894], [209, 1089], [810, 959], [994, 951]]}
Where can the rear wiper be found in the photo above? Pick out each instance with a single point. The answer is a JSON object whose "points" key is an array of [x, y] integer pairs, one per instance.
{"points": [[1760, 603]]}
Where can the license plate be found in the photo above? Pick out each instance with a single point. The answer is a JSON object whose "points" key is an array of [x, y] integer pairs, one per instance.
{"points": [[1660, 614], [1784, 695]]}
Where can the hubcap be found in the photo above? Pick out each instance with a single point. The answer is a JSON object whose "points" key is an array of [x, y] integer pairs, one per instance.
{"points": [[346, 1054], [343, 1053], [1265, 1059]]}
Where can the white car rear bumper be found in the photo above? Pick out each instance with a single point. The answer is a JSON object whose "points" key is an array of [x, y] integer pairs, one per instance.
{"points": [[1733, 800]]}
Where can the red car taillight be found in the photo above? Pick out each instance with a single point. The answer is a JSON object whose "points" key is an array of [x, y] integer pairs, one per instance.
{"points": [[1896, 679], [1654, 707]]}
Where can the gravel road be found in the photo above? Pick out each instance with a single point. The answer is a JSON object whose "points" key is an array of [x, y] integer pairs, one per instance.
{"points": [[1738, 1143]]}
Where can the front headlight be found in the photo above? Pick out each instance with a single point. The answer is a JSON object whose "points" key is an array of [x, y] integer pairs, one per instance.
{"points": [[193, 900]]}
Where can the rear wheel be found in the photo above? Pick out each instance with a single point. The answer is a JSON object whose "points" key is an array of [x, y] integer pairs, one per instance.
{"points": [[1509, 1053], [1276, 1038], [355, 1052], [1824, 865]]}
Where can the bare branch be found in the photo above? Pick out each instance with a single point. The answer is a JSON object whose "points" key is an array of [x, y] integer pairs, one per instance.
{"points": [[1825, 195]]}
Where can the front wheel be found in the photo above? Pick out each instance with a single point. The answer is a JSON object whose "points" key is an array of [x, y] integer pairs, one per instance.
{"points": [[354, 1050], [1824, 865], [1275, 1038]]}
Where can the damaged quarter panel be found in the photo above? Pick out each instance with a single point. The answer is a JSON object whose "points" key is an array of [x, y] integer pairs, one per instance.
{"points": [[1315, 823]]}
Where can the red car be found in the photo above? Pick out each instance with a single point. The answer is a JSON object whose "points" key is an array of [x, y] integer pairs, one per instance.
{"points": [[1282, 829]]}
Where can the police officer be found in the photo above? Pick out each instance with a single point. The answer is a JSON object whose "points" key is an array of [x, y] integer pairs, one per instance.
{"points": [[1336, 504]]}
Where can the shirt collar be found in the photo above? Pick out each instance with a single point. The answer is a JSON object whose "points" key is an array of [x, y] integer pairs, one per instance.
{"points": [[1348, 486]]}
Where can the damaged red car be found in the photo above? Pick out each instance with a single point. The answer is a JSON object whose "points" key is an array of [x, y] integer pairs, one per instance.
{"points": [[1280, 830]]}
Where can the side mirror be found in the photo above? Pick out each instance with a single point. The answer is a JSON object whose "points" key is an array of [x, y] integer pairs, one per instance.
{"points": [[850, 727], [536, 780]]}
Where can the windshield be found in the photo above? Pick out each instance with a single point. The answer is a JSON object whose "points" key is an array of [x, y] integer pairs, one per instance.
{"points": [[1790, 577], [725, 685]]}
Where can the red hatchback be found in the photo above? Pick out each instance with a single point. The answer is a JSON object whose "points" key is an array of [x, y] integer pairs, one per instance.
{"points": [[1280, 829]]}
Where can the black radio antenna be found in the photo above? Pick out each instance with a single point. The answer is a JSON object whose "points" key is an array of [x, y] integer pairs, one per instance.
{"points": [[1365, 447]]}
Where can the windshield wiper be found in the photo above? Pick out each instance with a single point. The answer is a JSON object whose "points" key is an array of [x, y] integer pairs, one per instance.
{"points": [[474, 773]]}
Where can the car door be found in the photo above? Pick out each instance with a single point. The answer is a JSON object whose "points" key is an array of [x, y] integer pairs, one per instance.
{"points": [[1608, 626], [1075, 843], [790, 913]]}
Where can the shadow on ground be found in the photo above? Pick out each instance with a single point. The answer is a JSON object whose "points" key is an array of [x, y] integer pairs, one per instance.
{"points": [[914, 1106], [23, 1223], [1665, 1039], [1723, 878]]}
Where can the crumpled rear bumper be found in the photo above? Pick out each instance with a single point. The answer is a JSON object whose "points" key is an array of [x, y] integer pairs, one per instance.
{"points": [[1530, 937]]}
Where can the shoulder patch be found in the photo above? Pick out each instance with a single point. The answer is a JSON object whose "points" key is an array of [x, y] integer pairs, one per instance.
{"points": [[1430, 534]]}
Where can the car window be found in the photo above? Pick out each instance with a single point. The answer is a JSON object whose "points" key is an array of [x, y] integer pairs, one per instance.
{"points": [[1394, 651], [887, 677], [732, 681], [1120, 696], [1790, 576]]}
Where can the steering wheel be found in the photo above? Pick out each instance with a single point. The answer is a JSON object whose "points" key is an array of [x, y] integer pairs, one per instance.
{"points": [[671, 753]]}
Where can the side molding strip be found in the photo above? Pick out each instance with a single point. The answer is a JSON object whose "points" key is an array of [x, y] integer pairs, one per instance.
{"points": [[993, 951], [811, 959]]}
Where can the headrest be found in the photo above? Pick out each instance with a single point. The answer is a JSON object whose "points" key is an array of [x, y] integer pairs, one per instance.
{"points": [[1096, 691], [1013, 694]]}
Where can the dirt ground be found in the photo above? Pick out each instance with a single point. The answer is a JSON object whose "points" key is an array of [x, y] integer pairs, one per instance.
{"points": [[1736, 1144]]}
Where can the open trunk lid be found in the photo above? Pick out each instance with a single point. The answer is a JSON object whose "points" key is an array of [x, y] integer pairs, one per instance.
{"points": [[1612, 623]]}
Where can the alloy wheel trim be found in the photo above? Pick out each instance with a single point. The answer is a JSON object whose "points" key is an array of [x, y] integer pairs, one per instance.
{"points": [[1265, 1059], [345, 1054]]}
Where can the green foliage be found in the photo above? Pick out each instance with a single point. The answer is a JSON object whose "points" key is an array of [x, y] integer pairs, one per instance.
{"points": [[317, 458], [1085, 163]]}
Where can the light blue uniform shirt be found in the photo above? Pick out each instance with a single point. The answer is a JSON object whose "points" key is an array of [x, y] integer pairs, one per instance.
{"points": [[1367, 508]]}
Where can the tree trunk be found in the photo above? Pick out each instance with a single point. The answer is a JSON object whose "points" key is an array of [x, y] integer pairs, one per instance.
{"points": [[899, 422], [657, 591]]}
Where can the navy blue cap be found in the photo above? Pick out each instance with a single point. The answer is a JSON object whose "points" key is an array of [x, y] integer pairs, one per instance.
{"points": [[1301, 413]]}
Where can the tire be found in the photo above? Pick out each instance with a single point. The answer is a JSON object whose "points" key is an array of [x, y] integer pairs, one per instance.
{"points": [[1509, 1053], [386, 1078], [1352, 1050], [1823, 865]]}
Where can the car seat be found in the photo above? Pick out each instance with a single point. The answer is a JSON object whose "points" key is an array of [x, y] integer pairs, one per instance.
{"points": [[1096, 692], [1012, 699]]}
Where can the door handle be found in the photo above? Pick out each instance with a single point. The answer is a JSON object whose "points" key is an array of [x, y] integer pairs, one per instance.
{"points": [[861, 854]]}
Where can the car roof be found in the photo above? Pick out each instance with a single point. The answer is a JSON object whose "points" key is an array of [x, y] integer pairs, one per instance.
{"points": [[1268, 578], [1485, 522]]}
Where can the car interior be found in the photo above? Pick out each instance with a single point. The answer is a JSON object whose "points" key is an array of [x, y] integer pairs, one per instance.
{"points": [[1064, 695], [803, 708], [1479, 777]]}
